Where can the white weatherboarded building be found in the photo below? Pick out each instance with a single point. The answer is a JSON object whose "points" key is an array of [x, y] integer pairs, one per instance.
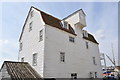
{"points": [[59, 48]]}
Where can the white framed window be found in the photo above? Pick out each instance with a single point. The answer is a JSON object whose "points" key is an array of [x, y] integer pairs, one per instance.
{"points": [[62, 57], [31, 14], [30, 26], [64, 24], [73, 76], [85, 33], [34, 59], [41, 35], [86, 45], [22, 59], [20, 45], [71, 39], [94, 61]]}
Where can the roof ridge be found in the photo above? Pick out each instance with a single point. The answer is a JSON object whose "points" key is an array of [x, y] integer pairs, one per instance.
{"points": [[44, 12], [14, 62], [74, 13]]}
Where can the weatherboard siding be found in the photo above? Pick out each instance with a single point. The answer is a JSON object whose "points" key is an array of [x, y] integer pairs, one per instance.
{"points": [[78, 59], [31, 43]]}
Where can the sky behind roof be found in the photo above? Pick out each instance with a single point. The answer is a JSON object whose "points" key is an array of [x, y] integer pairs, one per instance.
{"points": [[101, 18]]}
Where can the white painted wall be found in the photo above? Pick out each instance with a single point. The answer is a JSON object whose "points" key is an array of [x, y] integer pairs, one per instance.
{"points": [[31, 42], [78, 59], [77, 18]]}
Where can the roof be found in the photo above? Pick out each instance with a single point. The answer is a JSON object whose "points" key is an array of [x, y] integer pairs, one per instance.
{"points": [[75, 13], [90, 38], [55, 22], [49, 20], [21, 70]]}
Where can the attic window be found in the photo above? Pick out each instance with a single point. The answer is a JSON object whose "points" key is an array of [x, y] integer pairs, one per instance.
{"points": [[30, 26], [85, 34], [64, 24], [40, 35], [20, 46], [31, 14]]}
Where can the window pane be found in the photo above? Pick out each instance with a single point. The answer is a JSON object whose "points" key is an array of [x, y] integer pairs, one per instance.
{"points": [[30, 26], [20, 46], [31, 14], [35, 59], [87, 45], [95, 74], [22, 59], [74, 75], [94, 62], [71, 39], [62, 57], [41, 35]]}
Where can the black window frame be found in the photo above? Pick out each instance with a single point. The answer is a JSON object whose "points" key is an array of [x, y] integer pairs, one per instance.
{"points": [[21, 46], [31, 13], [73, 76]]}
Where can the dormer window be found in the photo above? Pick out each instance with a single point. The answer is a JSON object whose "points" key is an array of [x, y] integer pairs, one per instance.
{"points": [[85, 34], [64, 24]]}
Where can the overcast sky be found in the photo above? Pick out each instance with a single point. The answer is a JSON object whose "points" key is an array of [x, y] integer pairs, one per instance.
{"points": [[102, 22]]}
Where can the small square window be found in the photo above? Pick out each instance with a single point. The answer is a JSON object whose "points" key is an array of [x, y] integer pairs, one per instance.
{"points": [[62, 57], [73, 76], [71, 39], [34, 59], [30, 26]]}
